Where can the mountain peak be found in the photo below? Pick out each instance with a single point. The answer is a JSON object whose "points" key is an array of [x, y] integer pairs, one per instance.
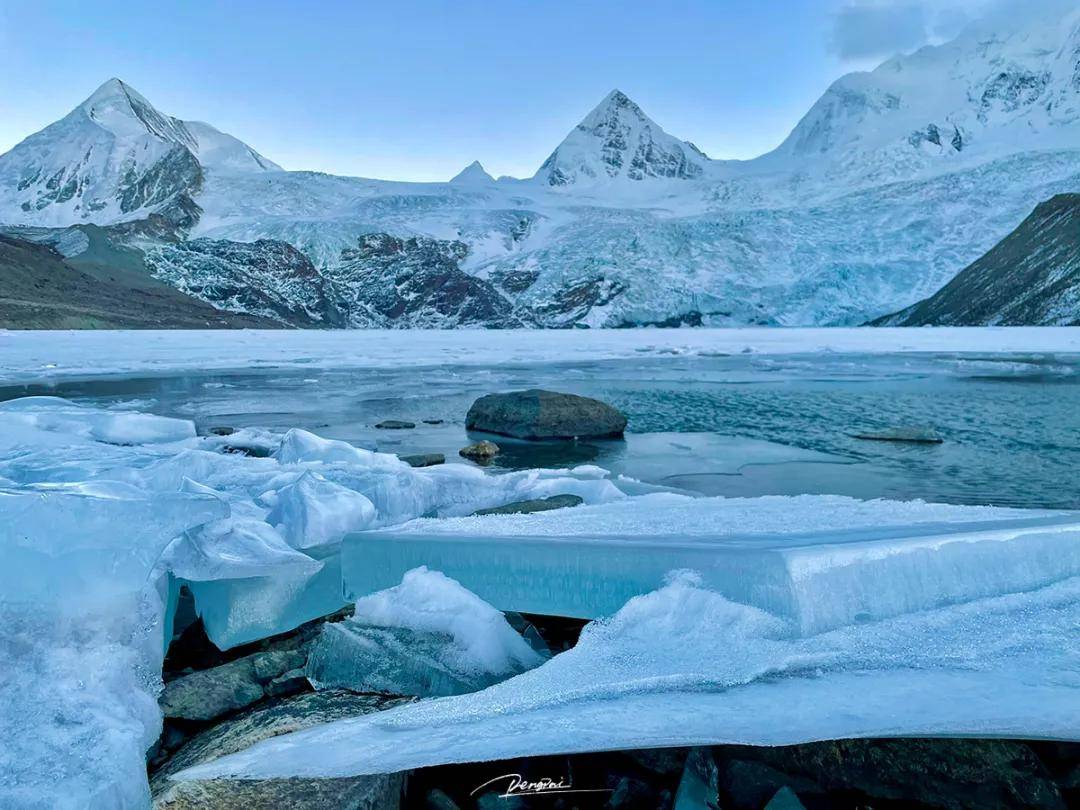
{"points": [[618, 140], [123, 111], [472, 174]]}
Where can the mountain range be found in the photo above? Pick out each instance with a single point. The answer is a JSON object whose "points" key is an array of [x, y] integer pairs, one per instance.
{"points": [[893, 182]]}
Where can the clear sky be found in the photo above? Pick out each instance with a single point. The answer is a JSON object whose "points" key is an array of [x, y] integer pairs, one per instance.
{"points": [[416, 89]]}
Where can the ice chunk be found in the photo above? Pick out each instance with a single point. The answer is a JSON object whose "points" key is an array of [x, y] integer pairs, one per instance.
{"points": [[689, 667], [80, 639], [302, 447], [821, 561], [426, 636], [312, 511], [58, 415]]}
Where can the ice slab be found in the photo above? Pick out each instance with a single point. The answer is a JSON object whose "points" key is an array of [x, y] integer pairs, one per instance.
{"points": [[820, 561], [80, 638], [427, 636], [686, 666]]}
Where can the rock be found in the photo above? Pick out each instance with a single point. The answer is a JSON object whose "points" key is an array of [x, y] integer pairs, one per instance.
{"points": [[536, 505], [785, 799], [252, 450], [213, 692], [953, 774], [393, 660], [909, 433], [395, 424], [424, 459], [481, 451], [437, 800], [749, 785], [433, 421], [263, 722], [221, 431], [288, 683], [699, 786], [538, 414], [664, 761], [631, 793], [269, 665]]}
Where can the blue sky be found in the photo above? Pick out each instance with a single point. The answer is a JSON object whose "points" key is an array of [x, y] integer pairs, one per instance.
{"points": [[417, 89]]}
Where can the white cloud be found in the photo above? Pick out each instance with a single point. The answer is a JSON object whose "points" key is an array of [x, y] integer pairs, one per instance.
{"points": [[877, 29]]}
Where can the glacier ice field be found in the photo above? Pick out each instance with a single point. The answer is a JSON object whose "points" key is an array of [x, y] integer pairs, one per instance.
{"points": [[752, 572]]}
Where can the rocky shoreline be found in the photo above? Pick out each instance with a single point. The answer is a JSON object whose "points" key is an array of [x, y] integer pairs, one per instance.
{"points": [[218, 703]]}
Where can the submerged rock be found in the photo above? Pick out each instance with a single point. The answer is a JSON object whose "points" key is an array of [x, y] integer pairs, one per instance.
{"points": [[481, 451], [535, 505], [424, 459], [395, 424], [270, 720], [910, 433], [539, 414]]}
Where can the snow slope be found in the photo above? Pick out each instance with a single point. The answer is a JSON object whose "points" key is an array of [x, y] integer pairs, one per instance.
{"points": [[875, 201]]}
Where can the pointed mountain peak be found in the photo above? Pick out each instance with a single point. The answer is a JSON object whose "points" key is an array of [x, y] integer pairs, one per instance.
{"points": [[123, 111], [618, 140], [472, 174]]}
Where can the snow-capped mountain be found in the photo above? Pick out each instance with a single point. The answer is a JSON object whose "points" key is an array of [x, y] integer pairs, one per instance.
{"points": [[617, 141], [894, 181], [113, 158]]}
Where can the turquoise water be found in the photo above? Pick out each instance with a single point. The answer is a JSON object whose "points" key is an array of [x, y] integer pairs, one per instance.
{"points": [[1011, 424]]}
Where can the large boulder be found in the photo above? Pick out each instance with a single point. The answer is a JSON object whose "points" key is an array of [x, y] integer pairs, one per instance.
{"points": [[380, 792], [539, 414]]}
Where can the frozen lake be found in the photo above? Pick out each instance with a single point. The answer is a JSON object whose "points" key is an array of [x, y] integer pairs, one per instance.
{"points": [[705, 415]]}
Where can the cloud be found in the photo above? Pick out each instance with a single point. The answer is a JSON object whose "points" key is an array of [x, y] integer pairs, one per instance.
{"points": [[877, 29], [865, 30]]}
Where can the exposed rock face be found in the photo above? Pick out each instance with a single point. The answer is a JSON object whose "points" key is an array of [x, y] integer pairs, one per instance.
{"points": [[267, 278], [1031, 277], [415, 282], [572, 303], [270, 720], [41, 289], [538, 414]]}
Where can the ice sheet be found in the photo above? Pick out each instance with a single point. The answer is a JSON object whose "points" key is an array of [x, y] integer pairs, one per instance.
{"points": [[819, 561], [686, 666], [26, 356]]}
